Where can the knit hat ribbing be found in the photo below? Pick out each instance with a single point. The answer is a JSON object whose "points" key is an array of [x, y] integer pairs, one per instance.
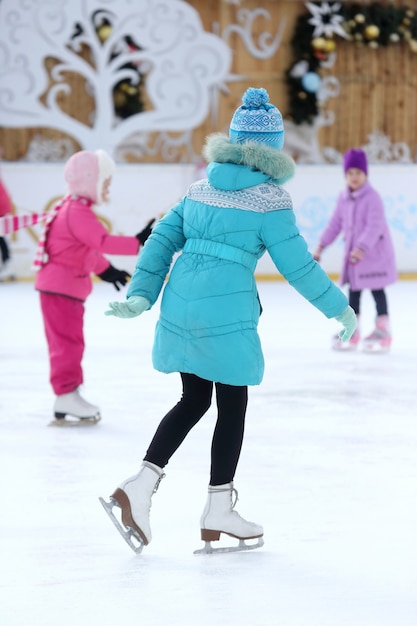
{"points": [[257, 120], [355, 159]]}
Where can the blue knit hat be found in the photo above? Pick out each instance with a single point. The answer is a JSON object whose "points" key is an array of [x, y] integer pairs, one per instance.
{"points": [[257, 120]]}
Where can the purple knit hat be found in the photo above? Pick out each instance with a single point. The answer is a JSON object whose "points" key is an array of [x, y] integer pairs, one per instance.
{"points": [[356, 159]]}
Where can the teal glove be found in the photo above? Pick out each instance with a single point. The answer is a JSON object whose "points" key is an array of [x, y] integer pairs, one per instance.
{"points": [[348, 321], [134, 306]]}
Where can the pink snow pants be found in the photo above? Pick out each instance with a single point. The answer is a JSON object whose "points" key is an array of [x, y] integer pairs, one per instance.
{"points": [[63, 319]]}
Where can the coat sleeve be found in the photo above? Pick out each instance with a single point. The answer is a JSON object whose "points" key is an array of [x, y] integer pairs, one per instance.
{"points": [[334, 227], [290, 254], [101, 264], [92, 233], [5, 201], [155, 258]]}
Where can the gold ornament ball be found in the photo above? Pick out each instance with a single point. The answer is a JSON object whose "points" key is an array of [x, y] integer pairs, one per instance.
{"points": [[330, 45], [319, 43], [302, 95], [119, 98], [371, 31], [104, 32], [359, 18], [130, 90]]}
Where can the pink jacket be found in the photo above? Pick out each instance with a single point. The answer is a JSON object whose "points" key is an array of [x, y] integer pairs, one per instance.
{"points": [[5, 202], [360, 216], [75, 245]]}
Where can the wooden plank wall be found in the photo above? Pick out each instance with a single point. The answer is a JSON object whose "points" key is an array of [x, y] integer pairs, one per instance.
{"points": [[378, 93], [378, 87]]}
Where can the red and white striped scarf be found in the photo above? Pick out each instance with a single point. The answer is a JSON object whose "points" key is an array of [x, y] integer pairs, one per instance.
{"points": [[12, 223], [41, 256]]}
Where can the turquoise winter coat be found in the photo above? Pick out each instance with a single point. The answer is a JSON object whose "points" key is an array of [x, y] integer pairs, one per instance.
{"points": [[222, 226]]}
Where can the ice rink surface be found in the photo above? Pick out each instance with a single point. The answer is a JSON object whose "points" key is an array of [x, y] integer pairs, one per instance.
{"points": [[328, 467]]}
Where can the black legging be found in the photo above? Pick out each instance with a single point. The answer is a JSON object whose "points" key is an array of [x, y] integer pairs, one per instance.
{"points": [[4, 250], [195, 402], [379, 297]]}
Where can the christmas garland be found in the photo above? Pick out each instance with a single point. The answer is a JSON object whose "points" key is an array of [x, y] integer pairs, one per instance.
{"points": [[127, 93], [316, 37]]}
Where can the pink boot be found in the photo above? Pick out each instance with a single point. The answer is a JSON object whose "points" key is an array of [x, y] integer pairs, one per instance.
{"points": [[380, 339]]}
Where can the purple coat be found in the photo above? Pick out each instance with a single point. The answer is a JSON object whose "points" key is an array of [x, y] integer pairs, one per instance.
{"points": [[360, 216]]}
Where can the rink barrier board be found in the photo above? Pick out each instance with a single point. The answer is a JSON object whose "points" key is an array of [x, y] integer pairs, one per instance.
{"points": [[139, 192]]}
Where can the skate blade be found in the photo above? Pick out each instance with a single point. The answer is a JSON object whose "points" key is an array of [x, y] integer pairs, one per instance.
{"points": [[340, 346], [241, 547], [127, 533], [375, 348], [77, 421], [8, 279]]}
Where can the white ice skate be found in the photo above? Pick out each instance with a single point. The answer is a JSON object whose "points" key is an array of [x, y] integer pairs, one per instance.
{"points": [[133, 497], [380, 339], [6, 272], [219, 517], [70, 409]]}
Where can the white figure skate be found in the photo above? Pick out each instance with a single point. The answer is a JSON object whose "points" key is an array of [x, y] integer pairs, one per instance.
{"points": [[70, 409], [380, 339], [219, 517], [6, 272], [133, 497]]}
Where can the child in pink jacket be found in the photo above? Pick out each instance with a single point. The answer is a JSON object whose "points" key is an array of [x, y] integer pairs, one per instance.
{"points": [[70, 249], [369, 261]]}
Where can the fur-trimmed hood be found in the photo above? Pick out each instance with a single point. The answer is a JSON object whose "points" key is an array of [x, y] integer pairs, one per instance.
{"points": [[274, 164]]}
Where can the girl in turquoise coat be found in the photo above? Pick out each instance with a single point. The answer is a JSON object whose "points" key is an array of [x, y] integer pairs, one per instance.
{"points": [[207, 329]]}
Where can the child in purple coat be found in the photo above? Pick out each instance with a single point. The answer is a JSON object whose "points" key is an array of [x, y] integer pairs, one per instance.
{"points": [[369, 261]]}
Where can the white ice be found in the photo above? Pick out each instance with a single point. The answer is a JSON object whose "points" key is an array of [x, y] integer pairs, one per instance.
{"points": [[329, 467]]}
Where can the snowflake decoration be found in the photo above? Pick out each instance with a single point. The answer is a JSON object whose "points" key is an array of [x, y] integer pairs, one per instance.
{"points": [[299, 69], [380, 149], [326, 19]]}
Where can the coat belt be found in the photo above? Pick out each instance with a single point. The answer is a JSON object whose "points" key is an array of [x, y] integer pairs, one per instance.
{"points": [[221, 251]]}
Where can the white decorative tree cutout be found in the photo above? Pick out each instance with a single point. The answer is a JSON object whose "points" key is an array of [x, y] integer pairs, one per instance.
{"points": [[181, 62]]}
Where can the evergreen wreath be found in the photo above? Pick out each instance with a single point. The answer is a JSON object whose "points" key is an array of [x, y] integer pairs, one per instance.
{"points": [[315, 41]]}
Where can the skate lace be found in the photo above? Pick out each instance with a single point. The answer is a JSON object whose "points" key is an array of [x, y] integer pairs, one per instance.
{"points": [[377, 334], [155, 489], [234, 496]]}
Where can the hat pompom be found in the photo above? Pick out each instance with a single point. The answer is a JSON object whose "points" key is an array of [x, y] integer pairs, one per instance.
{"points": [[255, 98], [257, 120]]}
